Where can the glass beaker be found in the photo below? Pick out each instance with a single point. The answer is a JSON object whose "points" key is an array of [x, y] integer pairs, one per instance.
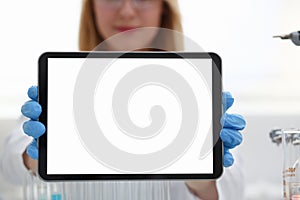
{"points": [[291, 163]]}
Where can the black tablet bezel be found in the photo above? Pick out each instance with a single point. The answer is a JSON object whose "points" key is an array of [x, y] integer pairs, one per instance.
{"points": [[217, 113]]}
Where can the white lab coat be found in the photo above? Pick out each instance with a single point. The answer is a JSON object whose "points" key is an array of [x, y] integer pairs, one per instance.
{"points": [[230, 186]]}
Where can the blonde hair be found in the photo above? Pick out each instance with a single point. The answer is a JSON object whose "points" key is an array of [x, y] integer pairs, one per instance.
{"points": [[89, 37]]}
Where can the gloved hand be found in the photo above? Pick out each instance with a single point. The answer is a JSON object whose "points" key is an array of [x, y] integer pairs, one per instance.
{"points": [[32, 109], [231, 125]]}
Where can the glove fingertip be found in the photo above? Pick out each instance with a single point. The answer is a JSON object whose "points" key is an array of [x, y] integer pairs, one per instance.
{"points": [[231, 138], [33, 93], [227, 100], [31, 109], [34, 128], [32, 150], [233, 121], [223, 135], [228, 159], [223, 119], [25, 126], [242, 121], [226, 94]]}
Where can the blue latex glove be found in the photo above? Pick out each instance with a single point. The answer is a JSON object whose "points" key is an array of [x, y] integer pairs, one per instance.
{"points": [[32, 109], [232, 124]]}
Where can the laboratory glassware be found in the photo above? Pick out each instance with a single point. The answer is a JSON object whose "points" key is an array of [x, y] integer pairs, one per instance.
{"points": [[290, 140]]}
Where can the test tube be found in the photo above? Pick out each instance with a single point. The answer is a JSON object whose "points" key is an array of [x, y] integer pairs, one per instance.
{"points": [[79, 191], [98, 187], [90, 190], [134, 190], [70, 188], [42, 189], [28, 187], [57, 191]]}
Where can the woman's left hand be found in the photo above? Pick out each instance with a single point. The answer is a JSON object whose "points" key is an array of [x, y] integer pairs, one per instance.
{"points": [[230, 134]]}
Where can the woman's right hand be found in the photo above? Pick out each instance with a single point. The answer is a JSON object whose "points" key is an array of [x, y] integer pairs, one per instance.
{"points": [[32, 109]]}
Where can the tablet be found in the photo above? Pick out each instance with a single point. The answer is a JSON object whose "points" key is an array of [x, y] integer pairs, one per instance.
{"points": [[130, 115]]}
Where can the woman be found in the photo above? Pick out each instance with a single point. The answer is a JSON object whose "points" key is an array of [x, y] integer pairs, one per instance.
{"points": [[100, 20]]}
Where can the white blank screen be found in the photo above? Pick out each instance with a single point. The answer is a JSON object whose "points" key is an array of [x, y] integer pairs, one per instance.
{"points": [[67, 153]]}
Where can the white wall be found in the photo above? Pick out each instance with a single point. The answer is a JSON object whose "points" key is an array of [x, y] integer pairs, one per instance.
{"points": [[29, 28], [260, 71]]}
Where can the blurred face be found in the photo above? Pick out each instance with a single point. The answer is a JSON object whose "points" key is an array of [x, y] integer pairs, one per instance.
{"points": [[123, 16]]}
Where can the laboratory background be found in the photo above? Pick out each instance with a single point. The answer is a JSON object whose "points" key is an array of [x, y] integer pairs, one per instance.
{"points": [[260, 71]]}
